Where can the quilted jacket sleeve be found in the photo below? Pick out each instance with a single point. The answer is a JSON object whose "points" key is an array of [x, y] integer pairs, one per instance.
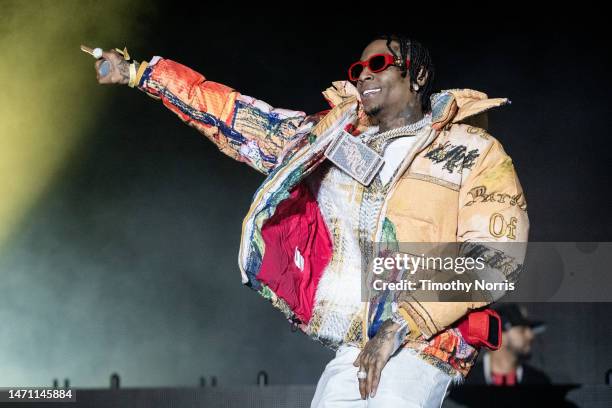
{"points": [[244, 128]]}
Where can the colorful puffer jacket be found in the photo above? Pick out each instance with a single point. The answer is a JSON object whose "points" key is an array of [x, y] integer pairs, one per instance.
{"points": [[456, 184]]}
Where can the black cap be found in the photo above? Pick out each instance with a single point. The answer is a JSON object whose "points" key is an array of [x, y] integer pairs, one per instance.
{"points": [[513, 315]]}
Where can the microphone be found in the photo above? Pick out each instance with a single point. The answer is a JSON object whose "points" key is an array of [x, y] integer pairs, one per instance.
{"points": [[105, 66]]}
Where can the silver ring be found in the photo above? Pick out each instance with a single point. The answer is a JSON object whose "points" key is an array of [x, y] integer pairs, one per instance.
{"points": [[362, 375]]}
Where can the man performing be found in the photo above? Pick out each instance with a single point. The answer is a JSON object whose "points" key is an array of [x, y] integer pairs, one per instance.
{"points": [[388, 162]]}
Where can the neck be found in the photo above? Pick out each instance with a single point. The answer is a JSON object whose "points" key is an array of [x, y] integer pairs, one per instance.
{"points": [[503, 361], [394, 119]]}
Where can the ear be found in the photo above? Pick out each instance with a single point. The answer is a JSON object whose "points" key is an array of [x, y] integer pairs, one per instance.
{"points": [[421, 79]]}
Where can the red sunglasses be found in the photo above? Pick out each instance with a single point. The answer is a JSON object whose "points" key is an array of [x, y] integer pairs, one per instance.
{"points": [[376, 63]]}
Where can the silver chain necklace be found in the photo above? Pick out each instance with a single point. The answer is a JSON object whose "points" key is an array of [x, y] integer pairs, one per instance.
{"points": [[381, 138]]}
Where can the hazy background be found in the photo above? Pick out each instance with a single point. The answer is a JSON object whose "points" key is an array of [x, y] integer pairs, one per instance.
{"points": [[119, 226]]}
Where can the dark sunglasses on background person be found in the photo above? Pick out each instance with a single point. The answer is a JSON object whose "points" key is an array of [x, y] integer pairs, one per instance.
{"points": [[376, 63]]}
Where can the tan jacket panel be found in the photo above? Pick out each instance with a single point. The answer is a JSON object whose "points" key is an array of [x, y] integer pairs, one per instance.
{"points": [[462, 188]]}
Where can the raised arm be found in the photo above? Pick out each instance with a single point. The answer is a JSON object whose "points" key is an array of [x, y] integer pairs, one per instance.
{"points": [[244, 128]]}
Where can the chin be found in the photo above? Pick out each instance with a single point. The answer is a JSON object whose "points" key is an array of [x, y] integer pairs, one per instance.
{"points": [[372, 111]]}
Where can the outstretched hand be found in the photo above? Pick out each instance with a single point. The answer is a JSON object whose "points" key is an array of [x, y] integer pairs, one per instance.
{"points": [[374, 356], [119, 72]]}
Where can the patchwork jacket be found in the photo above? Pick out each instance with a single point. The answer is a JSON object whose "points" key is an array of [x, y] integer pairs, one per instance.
{"points": [[456, 184]]}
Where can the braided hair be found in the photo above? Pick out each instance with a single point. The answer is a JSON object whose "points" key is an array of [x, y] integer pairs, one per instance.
{"points": [[419, 58]]}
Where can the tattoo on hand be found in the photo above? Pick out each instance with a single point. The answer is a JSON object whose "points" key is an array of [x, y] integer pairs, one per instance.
{"points": [[124, 70], [385, 334]]}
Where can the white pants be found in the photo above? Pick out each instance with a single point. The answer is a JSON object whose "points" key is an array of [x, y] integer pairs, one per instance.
{"points": [[405, 381]]}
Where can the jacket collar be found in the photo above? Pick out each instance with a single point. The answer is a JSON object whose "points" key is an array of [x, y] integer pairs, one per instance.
{"points": [[448, 106]]}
